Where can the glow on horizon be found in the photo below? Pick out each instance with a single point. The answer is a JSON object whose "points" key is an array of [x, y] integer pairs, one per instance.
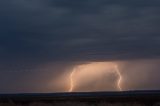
{"points": [[95, 65]]}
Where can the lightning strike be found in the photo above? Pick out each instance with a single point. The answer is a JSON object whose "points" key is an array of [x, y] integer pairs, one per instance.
{"points": [[120, 78], [71, 80], [72, 74]]}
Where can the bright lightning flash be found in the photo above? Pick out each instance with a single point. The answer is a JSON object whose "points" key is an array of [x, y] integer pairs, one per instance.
{"points": [[120, 78], [72, 85], [71, 80]]}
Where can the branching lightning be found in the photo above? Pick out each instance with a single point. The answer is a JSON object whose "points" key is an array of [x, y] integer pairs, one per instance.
{"points": [[120, 78], [116, 69]]}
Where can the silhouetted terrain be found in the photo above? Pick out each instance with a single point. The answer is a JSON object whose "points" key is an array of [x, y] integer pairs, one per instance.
{"points": [[126, 98]]}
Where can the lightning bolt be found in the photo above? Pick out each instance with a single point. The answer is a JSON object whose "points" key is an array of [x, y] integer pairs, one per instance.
{"points": [[71, 80], [71, 77], [120, 78]]}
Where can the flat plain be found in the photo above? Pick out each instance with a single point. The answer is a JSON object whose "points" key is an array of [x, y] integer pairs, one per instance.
{"points": [[125, 98]]}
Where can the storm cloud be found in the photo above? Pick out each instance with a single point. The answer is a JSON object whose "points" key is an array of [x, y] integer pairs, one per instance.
{"points": [[83, 29], [34, 33]]}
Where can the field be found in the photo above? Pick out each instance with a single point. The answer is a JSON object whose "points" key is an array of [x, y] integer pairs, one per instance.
{"points": [[80, 104], [127, 98]]}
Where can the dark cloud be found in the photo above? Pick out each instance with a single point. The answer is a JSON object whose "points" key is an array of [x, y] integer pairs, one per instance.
{"points": [[48, 29], [36, 32]]}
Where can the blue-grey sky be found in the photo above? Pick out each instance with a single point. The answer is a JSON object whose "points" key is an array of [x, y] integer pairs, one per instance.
{"points": [[34, 33]]}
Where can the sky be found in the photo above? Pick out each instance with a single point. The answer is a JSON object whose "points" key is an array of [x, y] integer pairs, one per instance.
{"points": [[42, 41]]}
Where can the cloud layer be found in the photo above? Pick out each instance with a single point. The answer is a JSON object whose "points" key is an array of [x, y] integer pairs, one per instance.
{"points": [[92, 29], [34, 33]]}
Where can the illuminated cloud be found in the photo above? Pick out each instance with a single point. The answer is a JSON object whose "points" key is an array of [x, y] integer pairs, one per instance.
{"points": [[96, 72]]}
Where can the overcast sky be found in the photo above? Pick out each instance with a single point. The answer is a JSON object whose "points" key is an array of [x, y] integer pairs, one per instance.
{"points": [[38, 37]]}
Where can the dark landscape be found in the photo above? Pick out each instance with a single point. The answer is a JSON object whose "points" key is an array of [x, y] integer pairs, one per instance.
{"points": [[126, 98]]}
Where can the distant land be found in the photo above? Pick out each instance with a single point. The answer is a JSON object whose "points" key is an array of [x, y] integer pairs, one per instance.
{"points": [[145, 97]]}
